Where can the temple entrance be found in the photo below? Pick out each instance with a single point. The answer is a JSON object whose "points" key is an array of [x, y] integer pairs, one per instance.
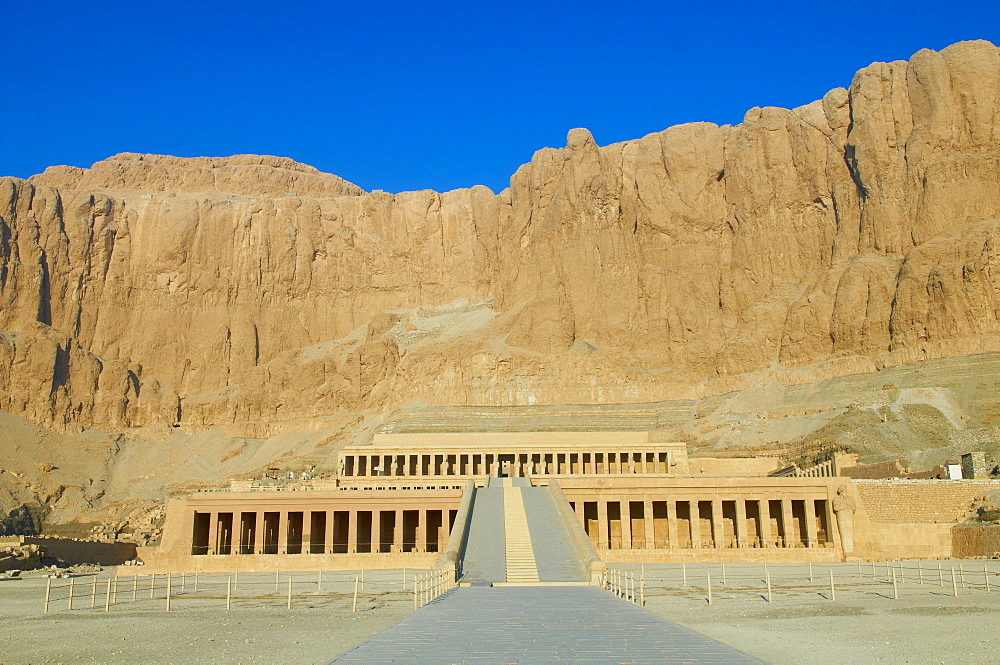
{"points": [[506, 465]]}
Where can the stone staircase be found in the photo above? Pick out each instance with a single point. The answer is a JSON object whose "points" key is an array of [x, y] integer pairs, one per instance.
{"points": [[520, 555]]}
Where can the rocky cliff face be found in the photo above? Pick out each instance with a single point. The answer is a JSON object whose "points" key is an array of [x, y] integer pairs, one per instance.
{"points": [[852, 233]]}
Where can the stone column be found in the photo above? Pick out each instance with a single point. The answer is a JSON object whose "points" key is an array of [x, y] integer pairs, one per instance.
{"points": [[809, 506], [764, 510], [647, 522], [213, 533], [397, 532], [626, 512], [644, 461], [422, 531], [741, 524], [673, 537], [695, 524], [788, 530], [283, 532], [306, 531], [352, 532], [718, 532], [258, 533], [602, 525], [328, 540]]}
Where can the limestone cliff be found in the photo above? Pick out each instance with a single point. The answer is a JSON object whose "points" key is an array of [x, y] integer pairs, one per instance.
{"points": [[855, 232]]}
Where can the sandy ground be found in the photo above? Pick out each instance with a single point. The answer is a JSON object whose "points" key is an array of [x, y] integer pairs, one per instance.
{"points": [[198, 629], [865, 624]]}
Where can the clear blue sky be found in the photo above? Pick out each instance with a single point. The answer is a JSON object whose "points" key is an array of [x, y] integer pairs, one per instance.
{"points": [[415, 95]]}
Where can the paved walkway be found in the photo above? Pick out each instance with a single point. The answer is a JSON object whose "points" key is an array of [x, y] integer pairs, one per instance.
{"points": [[538, 625]]}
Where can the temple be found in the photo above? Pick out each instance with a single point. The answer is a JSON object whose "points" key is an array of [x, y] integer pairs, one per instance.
{"points": [[396, 502]]}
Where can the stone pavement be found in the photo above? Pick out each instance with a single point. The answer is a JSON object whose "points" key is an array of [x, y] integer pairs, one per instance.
{"points": [[538, 625]]}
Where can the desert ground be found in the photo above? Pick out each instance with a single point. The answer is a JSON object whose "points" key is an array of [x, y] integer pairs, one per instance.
{"points": [[801, 624]]}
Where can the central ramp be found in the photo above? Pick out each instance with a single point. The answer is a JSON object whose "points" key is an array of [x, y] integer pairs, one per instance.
{"points": [[538, 625], [517, 534]]}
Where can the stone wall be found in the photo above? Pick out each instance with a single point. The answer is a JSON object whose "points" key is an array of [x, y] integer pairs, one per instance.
{"points": [[920, 501], [976, 541]]}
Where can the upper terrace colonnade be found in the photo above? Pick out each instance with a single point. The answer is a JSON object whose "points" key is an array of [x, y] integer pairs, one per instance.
{"points": [[491, 454]]}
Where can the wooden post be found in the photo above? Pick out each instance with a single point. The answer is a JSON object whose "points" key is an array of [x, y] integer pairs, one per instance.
{"points": [[135, 585], [709, 576], [319, 582], [362, 578], [169, 589], [685, 569], [873, 570], [940, 576], [152, 585], [810, 572], [768, 587], [184, 582], [197, 577], [723, 573], [859, 570], [954, 584], [289, 592], [48, 590], [404, 575], [114, 589], [276, 572], [69, 605], [986, 576], [961, 572], [902, 573], [107, 597], [895, 589], [833, 589], [414, 592], [920, 571], [357, 581], [236, 582], [229, 592], [93, 593]]}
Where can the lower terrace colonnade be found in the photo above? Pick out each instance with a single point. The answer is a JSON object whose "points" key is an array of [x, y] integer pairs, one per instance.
{"points": [[696, 523], [349, 531]]}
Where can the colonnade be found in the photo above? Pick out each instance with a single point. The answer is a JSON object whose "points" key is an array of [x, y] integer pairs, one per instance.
{"points": [[694, 523], [321, 531], [497, 464]]}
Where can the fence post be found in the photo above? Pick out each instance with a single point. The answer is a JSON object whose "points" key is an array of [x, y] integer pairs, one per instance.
{"points": [[723, 573], [685, 569], [414, 592], [276, 572], [152, 586], [362, 579], [93, 593], [986, 576], [895, 590], [48, 590], [768, 576], [135, 585], [319, 581], [833, 589], [107, 597], [940, 575], [810, 572], [236, 581], [920, 571], [902, 572], [184, 582], [197, 578], [354, 606], [859, 570], [289, 592], [709, 575], [69, 605], [642, 591], [229, 592], [961, 572], [169, 589], [114, 589], [954, 584], [404, 575]]}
